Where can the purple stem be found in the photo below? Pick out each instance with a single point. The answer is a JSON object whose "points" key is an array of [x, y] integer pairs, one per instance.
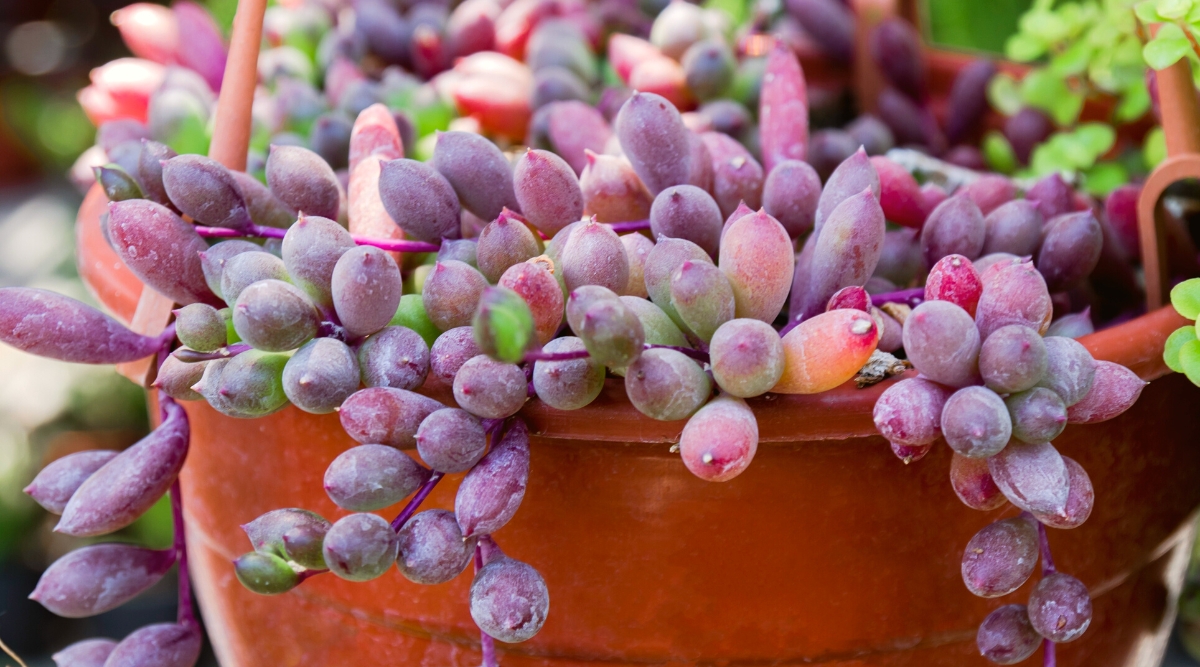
{"points": [[911, 296], [391, 245], [185, 615], [788, 327], [412, 506], [1049, 659], [630, 226], [539, 355], [686, 351], [485, 640], [1044, 547], [191, 356]]}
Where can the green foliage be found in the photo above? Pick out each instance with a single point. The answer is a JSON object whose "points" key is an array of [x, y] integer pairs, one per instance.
{"points": [[1186, 298], [503, 325], [1077, 151], [999, 153], [1154, 148], [1167, 47], [411, 313], [1175, 342]]}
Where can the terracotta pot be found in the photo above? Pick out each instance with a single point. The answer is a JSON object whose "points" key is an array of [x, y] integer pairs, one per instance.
{"points": [[828, 550]]}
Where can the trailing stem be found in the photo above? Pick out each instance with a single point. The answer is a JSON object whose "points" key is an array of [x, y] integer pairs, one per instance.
{"points": [[1049, 657], [414, 504]]}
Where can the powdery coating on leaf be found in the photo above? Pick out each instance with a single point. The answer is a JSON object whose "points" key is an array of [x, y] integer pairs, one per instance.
{"points": [[420, 200], [360, 547], [509, 600], [612, 333], [86, 653], [365, 211], [1012, 359], [579, 300], [1114, 390], [1013, 293], [989, 192], [1032, 477], [783, 109], [490, 389], [160, 248], [1070, 369], [973, 483], [687, 212], [999, 558], [637, 250], [534, 283], [846, 252], [51, 325], [292, 533], [655, 141], [100, 577], [954, 227], [661, 264], [503, 243], [479, 173], [321, 375], [200, 327], [1075, 325], [303, 181], [125, 487], [1052, 195], [737, 176], [249, 386], [747, 357], [1080, 500], [451, 350], [756, 255], [548, 191], [1006, 637], [701, 173], [204, 190], [149, 171], [1070, 249], [975, 422], [953, 278], [851, 177], [274, 316], [891, 336], [366, 289], [594, 255], [577, 128], [826, 351], [213, 260], [720, 440], [1060, 608], [1014, 227], [395, 357], [909, 412], [491, 492], [451, 294], [451, 440], [386, 416], [311, 248], [370, 477], [790, 195], [656, 324], [703, 297], [247, 268], [54, 485], [666, 385], [432, 548], [159, 645], [570, 384], [942, 343], [612, 191], [1038, 415], [374, 134]]}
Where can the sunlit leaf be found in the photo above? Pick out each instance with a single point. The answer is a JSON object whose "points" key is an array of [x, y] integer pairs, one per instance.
{"points": [[998, 153], [1186, 298], [1167, 47], [1104, 178], [1175, 342], [1004, 94]]}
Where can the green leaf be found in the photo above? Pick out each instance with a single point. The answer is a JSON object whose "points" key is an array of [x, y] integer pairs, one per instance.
{"points": [[503, 325], [1104, 178], [1147, 11], [1073, 60], [411, 313], [1189, 360], [1166, 48], [1096, 137], [1173, 10], [999, 153], [1186, 298], [736, 9], [1134, 104], [1049, 158], [1044, 26], [1175, 342], [1066, 108], [1023, 48], [1004, 94], [1154, 149]]}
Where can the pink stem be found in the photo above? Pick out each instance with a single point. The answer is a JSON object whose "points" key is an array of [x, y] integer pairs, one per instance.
{"points": [[485, 640], [1049, 649], [912, 297], [539, 355], [185, 615], [188, 356], [259, 231], [698, 355], [630, 226], [1049, 657], [412, 506]]}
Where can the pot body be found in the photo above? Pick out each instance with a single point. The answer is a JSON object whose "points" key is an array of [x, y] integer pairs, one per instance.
{"points": [[827, 550]]}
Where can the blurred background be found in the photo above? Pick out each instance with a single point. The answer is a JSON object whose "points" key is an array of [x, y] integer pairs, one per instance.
{"points": [[49, 409]]}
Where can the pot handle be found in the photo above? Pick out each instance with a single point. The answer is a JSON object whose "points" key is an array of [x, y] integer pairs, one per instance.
{"points": [[230, 142], [1181, 127]]}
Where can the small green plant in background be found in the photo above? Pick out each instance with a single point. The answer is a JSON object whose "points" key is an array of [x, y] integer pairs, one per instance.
{"points": [[1182, 351]]}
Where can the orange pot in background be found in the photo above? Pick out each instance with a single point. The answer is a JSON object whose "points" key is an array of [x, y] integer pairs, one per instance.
{"points": [[827, 551]]}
